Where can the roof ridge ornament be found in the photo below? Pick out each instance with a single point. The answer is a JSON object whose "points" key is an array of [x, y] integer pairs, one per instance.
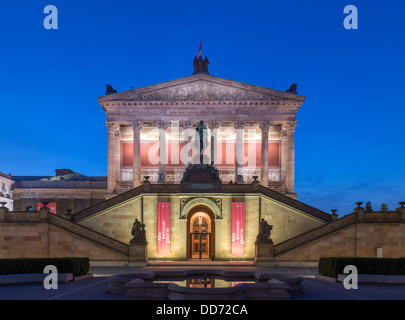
{"points": [[293, 89], [110, 89], [200, 65]]}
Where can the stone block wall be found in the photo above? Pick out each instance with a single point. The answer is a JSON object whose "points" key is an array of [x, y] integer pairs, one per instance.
{"points": [[357, 240], [23, 240], [42, 240], [117, 222], [287, 223]]}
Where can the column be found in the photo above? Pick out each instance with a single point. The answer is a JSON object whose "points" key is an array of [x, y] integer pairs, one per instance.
{"points": [[187, 125], [117, 155], [214, 125], [136, 127], [111, 127], [239, 126], [290, 128], [283, 157], [162, 125], [264, 160]]}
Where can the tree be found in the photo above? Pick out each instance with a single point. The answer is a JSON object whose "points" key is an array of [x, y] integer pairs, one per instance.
{"points": [[384, 207]]}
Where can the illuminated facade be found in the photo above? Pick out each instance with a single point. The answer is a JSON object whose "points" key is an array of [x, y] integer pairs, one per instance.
{"points": [[249, 133], [151, 131], [192, 211]]}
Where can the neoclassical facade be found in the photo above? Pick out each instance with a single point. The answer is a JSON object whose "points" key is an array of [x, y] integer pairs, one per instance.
{"points": [[199, 194], [250, 130]]}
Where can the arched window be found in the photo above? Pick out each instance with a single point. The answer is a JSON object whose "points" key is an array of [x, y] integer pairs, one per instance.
{"points": [[200, 225]]}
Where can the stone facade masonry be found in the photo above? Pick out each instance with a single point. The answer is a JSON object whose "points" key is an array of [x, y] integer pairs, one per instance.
{"points": [[42, 235], [117, 222], [298, 237], [42, 240], [359, 240]]}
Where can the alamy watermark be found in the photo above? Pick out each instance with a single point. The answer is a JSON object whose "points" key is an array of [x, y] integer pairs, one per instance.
{"points": [[352, 279], [352, 20], [186, 148], [51, 280], [51, 20]]}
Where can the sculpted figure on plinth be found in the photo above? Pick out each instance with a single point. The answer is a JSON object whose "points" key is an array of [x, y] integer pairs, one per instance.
{"points": [[138, 246], [264, 232], [200, 65], [264, 245], [138, 232], [189, 171], [211, 170]]}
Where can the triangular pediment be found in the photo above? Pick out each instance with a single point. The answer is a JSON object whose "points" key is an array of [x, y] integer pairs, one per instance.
{"points": [[202, 87]]}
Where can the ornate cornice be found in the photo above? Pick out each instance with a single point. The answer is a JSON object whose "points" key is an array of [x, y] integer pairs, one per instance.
{"points": [[195, 113]]}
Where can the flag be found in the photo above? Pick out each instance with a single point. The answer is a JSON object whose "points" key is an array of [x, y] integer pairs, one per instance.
{"points": [[199, 53]]}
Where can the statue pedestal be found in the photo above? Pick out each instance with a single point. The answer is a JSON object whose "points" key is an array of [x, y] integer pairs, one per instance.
{"points": [[264, 252], [138, 252]]}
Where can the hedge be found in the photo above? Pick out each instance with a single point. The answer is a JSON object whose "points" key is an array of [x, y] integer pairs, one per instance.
{"points": [[331, 267], [77, 266]]}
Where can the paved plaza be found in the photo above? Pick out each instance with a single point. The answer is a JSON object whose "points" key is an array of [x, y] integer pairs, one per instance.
{"points": [[96, 288]]}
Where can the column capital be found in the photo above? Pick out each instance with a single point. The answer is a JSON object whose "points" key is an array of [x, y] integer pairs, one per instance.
{"points": [[186, 124], [239, 124], [136, 125], [112, 125], [264, 125], [213, 124], [289, 126], [163, 125]]}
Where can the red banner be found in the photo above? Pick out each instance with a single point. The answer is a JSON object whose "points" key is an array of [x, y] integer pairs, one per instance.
{"points": [[163, 228], [50, 205], [238, 229]]}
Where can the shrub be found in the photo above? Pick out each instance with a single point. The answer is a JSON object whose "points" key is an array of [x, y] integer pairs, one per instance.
{"points": [[331, 267], [77, 266]]}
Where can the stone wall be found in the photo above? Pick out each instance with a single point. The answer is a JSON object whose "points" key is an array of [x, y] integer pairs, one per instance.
{"points": [[34, 235], [23, 240], [356, 235], [287, 222], [117, 222], [42, 240], [105, 236]]}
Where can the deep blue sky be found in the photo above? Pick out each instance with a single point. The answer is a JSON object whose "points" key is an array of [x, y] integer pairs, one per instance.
{"points": [[349, 138]]}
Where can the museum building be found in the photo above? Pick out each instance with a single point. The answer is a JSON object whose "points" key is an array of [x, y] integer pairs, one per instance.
{"points": [[199, 162]]}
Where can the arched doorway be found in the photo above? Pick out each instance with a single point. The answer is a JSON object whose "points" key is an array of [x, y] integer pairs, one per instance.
{"points": [[200, 233]]}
